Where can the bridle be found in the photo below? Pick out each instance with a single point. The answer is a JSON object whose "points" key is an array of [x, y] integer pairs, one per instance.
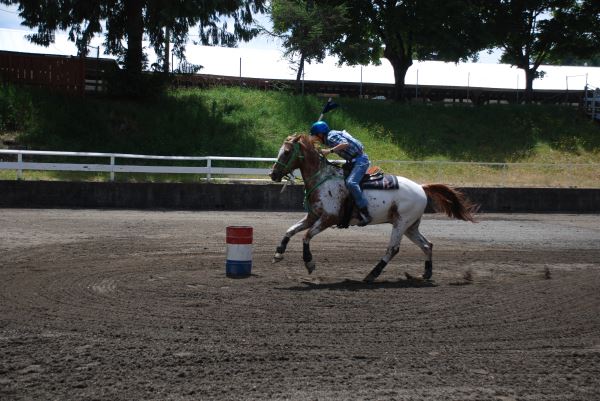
{"points": [[287, 167]]}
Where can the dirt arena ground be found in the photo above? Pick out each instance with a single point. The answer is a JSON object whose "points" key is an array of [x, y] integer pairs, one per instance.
{"points": [[124, 305]]}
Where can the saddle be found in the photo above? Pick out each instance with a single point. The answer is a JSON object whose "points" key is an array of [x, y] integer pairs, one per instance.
{"points": [[374, 178]]}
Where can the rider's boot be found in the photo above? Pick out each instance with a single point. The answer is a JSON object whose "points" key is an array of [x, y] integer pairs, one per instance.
{"points": [[365, 217]]}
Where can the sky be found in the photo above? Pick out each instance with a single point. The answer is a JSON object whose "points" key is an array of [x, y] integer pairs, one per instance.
{"points": [[262, 58]]}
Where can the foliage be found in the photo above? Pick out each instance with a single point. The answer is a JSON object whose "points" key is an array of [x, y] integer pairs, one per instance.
{"points": [[15, 109], [533, 31], [571, 59], [580, 46], [132, 19], [307, 28], [400, 31], [188, 68]]}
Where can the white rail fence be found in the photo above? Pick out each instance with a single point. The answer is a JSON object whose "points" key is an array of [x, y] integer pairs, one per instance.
{"points": [[454, 173], [112, 167]]}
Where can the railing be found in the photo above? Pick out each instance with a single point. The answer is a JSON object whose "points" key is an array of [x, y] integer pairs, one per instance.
{"points": [[582, 175], [112, 167]]}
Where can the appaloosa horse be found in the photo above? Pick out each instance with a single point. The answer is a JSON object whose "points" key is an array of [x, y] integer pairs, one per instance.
{"points": [[325, 192]]}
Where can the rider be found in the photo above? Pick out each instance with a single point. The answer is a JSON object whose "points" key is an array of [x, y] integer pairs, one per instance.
{"points": [[350, 149]]}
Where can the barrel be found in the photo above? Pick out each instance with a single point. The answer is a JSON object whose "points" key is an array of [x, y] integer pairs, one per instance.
{"points": [[239, 251]]}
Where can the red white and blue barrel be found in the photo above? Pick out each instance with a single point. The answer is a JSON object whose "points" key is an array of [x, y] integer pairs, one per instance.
{"points": [[239, 251]]}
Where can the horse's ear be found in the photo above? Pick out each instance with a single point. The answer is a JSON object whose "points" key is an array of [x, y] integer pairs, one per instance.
{"points": [[296, 138]]}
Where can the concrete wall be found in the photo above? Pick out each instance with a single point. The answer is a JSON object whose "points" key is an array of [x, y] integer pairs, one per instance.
{"points": [[53, 194]]}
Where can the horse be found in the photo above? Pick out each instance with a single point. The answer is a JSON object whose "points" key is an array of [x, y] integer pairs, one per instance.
{"points": [[325, 192]]}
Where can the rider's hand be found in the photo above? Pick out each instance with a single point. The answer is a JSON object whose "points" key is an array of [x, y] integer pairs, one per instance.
{"points": [[325, 151]]}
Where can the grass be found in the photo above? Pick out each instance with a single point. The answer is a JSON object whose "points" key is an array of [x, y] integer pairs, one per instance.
{"points": [[252, 123]]}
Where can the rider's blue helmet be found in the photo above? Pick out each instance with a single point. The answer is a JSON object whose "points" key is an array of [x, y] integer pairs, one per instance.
{"points": [[320, 127]]}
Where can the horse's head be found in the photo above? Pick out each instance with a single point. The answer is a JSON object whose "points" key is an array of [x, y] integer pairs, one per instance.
{"points": [[289, 158]]}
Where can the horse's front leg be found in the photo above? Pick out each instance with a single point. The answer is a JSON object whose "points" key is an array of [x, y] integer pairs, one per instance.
{"points": [[293, 230], [320, 225]]}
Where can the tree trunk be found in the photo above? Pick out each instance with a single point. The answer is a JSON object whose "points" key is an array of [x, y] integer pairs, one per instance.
{"points": [[400, 66], [529, 77], [135, 34], [299, 74]]}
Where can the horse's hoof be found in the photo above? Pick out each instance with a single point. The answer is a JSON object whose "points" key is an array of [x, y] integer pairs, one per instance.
{"points": [[369, 279], [277, 258], [310, 266], [427, 275]]}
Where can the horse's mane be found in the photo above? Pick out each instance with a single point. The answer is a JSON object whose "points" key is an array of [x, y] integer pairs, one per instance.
{"points": [[308, 145], [302, 138]]}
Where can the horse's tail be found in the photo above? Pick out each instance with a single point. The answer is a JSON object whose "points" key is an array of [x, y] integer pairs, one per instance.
{"points": [[451, 201]]}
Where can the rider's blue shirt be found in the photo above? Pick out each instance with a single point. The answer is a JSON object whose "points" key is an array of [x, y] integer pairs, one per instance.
{"points": [[355, 149]]}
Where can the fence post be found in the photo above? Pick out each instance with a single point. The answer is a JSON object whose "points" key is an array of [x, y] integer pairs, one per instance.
{"points": [[208, 166], [20, 166], [112, 168]]}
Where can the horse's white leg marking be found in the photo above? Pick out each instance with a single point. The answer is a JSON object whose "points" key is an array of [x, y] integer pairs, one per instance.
{"points": [[393, 248], [293, 230], [315, 229], [419, 239]]}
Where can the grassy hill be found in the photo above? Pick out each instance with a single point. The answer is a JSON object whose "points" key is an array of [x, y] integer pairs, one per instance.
{"points": [[241, 122]]}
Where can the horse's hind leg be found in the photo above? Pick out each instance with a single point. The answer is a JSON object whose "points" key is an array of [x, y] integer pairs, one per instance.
{"points": [[427, 247], [293, 230], [392, 249]]}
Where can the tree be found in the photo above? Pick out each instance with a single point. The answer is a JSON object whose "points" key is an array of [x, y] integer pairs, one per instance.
{"points": [[531, 32], [581, 25], [570, 59], [130, 20], [400, 31], [307, 30]]}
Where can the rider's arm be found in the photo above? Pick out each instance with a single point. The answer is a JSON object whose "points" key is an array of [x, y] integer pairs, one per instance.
{"points": [[337, 148]]}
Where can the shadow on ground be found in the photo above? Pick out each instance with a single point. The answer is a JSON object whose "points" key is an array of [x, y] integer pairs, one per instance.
{"points": [[356, 285]]}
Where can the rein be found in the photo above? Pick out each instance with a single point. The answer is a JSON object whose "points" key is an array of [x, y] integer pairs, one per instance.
{"points": [[307, 192]]}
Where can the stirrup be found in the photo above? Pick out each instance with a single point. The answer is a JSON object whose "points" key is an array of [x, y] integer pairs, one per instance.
{"points": [[364, 222], [365, 218]]}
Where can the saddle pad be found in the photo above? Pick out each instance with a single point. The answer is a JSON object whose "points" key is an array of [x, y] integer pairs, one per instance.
{"points": [[388, 181]]}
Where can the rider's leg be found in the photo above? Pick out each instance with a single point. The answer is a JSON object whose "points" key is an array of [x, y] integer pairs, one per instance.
{"points": [[359, 169], [419, 239], [296, 228]]}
